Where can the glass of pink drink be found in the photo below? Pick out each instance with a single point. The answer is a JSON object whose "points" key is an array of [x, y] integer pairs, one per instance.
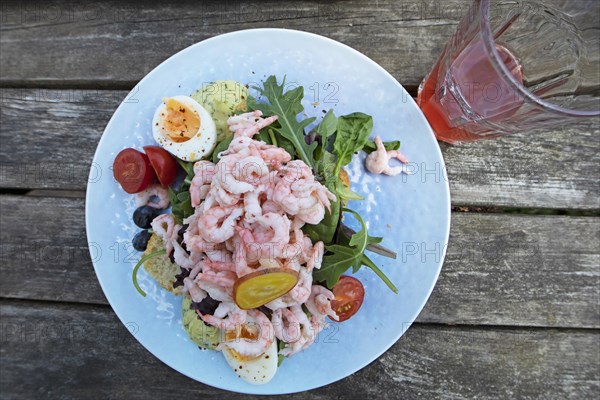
{"points": [[515, 66]]}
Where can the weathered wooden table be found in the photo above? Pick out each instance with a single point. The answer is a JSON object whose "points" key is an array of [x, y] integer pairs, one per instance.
{"points": [[515, 313]]}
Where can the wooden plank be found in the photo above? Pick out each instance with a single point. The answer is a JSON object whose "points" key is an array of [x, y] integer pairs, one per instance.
{"points": [[38, 39], [557, 169], [85, 353], [500, 269]]}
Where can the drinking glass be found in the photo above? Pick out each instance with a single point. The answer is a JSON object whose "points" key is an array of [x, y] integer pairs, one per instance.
{"points": [[515, 66]]}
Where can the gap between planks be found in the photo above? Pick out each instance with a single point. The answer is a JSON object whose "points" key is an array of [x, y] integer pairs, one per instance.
{"points": [[9, 301], [455, 208]]}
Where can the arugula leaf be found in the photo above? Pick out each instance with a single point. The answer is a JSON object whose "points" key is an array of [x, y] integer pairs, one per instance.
{"points": [[280, 357], [367, 262], [284, 143], [371, 147], [266, 137], [287, 106], [353, 132], [345, 254], [325, 169]]}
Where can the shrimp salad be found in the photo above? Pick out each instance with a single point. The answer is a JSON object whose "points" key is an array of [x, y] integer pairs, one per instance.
{"points": [[242, 211]]}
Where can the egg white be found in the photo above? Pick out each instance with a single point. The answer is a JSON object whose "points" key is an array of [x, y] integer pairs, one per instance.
{"points": [[198, 146], [256, 371]]}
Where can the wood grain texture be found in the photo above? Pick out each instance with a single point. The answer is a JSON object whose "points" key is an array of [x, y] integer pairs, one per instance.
{"points": [[115, 44], [499, 269], [556, 169], [86, 353]]}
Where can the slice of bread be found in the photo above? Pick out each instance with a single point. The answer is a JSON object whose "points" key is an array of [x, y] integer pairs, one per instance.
{"points": [[161, 268]]}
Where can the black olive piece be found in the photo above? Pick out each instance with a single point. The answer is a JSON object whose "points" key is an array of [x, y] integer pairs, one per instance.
{"points": [[268, 312], [207, 306], [181, 231], [180, 238], [144, 215], [140, 240], [181, 276]]}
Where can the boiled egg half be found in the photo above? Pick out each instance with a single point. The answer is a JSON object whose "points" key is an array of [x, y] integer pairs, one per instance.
{"points": [[184, 128], [255, 370]]}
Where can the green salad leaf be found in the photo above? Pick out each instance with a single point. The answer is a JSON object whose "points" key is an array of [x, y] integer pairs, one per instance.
{"points": [[353, 132], [286, 105], [325, 230], [327, 126], [325, 131], [349, 253], [371, 147], [220, 147], [344, 192], [181, 202]]}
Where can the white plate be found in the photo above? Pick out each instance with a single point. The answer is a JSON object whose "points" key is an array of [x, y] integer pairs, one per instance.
{"points": [[411, 212]]}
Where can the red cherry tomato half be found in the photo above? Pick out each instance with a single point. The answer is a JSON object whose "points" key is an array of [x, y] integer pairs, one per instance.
{"points": [[163, 163], [349, 294], [133, 171]]}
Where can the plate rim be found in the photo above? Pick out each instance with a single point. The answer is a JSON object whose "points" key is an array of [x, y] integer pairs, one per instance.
{"points": [[310, 36]]}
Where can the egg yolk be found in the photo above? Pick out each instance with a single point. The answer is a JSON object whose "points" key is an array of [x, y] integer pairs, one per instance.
{"points": [[180, 122], [245, 332]]}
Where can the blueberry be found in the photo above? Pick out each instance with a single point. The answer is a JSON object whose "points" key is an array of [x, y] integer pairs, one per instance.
{"points": [[144, 215], [140, 240]]}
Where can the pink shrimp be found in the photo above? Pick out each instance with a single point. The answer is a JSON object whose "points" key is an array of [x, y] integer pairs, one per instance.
{"points": [[226, 279], [312, 211], [244, 146], [155, 191], [227, 316], [306, 335], [262, 331], [165, 227], [269, 206], [377, 161], [222, 196], [249, 124], [301, 292], [252, 203], [316, 257], [319, 302], [228, 167], [277, 234], [195, 292], [250, 169], [219, 255], [219, 284], [240, 255], [217, 224], [183, 259], [204, 172], [275, 156], [292, 329], [217, 266]]}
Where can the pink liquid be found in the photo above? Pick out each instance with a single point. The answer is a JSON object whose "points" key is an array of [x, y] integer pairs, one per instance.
{"points": [[456, 99]]}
